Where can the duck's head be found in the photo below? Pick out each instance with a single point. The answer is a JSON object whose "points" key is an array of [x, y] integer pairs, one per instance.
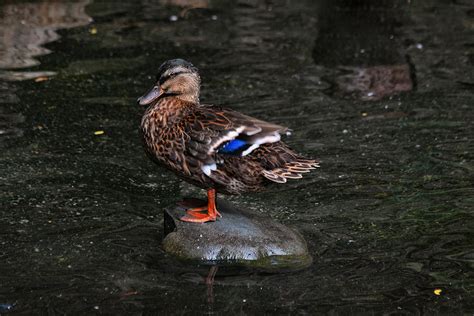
{"points": [[176, 77]]}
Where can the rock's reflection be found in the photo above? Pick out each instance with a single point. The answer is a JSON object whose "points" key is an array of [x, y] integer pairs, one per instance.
{"points": [[26, 26]]}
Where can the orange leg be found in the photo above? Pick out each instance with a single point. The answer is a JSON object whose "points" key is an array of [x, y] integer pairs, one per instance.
{"points": [[196, 215]]}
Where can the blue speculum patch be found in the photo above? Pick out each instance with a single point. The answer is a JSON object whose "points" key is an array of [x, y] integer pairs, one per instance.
{"points": [[233, 147]]}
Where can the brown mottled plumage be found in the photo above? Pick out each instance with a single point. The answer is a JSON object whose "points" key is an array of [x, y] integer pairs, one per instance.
{"points": [[209, 146]]}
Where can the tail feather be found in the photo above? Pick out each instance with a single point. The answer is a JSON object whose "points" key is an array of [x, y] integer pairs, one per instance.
{"points": [[274, 175], [292, 175], [291, 170]]}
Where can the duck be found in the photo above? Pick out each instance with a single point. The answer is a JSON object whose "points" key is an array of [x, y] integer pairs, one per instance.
{"points": [[212, 147]]}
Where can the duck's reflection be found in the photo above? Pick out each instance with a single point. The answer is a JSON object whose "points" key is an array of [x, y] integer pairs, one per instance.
{"points": [[26, 26], [359, 45], [210, 283], [374, 83]]}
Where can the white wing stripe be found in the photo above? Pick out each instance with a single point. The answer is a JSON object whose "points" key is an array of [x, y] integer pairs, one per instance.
{"points": [[272, 138], [232, 134], [250, 149], [208, 168]]}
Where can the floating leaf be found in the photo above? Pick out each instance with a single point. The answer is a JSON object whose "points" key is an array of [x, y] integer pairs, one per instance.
{"points": [[40, 79]]}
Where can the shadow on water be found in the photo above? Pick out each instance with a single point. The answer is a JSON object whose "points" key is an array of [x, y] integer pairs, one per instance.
{"points": [[381, 93]]}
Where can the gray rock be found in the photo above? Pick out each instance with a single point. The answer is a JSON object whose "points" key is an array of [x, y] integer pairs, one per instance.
{"points": [[239, 237]]}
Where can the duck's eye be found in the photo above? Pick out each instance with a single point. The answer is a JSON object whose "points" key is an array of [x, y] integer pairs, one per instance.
{"points": [[167, 77]]}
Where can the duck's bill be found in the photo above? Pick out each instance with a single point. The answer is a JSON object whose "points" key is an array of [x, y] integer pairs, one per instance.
{"points": [[150, 96]]}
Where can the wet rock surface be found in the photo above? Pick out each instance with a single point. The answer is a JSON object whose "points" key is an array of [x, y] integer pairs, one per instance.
{"points": [[239, 237]]}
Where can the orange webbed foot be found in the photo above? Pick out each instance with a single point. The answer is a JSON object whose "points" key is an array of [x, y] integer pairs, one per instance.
{"points": [[196, 213], [198, 218]]}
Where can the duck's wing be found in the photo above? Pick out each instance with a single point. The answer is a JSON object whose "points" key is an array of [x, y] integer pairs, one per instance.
{"points": [[217, 131]]}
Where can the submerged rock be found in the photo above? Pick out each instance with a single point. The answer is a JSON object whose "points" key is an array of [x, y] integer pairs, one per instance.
{"points": [[239, 237]]}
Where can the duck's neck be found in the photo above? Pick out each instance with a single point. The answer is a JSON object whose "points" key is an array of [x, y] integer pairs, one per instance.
{"points": [[166, 112], [188, 97]]}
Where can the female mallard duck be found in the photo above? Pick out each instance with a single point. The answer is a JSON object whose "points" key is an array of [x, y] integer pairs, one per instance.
{"points": [[209, 146]]}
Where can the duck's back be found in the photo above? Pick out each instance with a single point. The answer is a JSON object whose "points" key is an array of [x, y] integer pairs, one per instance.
{"points": [[211, 146]]}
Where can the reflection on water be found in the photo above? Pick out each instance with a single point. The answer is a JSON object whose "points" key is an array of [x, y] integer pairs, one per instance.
{"points": [[374, 83], [359, 41], [25, 27], [188, 4]]}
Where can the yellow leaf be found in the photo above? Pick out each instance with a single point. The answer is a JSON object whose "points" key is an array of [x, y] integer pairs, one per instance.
{"points": [[39, 79], [99, 132], [93, 30], [437, 292]]}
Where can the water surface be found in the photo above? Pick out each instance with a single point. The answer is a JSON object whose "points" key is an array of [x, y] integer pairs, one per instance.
{"points": [[381, 93]]}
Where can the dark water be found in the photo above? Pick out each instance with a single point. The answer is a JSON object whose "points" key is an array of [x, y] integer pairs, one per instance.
{"points": [[382, 92]]}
